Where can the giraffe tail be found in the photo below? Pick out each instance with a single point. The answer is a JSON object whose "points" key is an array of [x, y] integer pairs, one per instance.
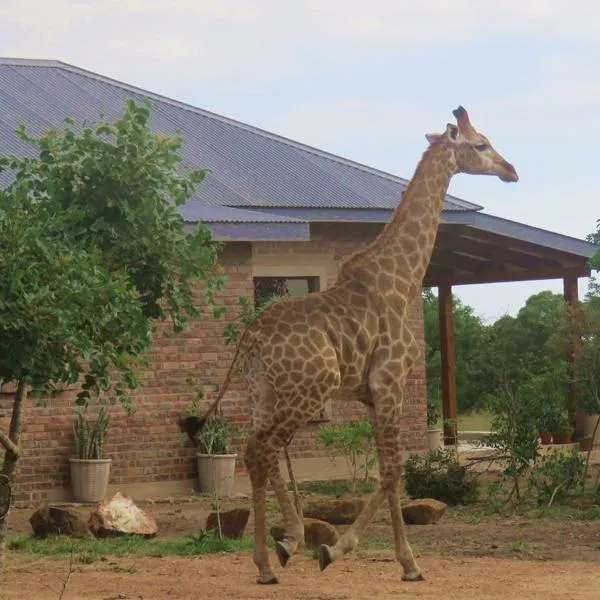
{"points": [[194, 424]]}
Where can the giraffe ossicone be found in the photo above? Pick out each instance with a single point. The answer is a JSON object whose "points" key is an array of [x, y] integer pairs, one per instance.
{"points": [[352, 340]]}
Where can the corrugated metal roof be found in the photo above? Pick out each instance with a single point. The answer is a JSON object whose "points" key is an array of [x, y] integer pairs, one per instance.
{"points": [[196, 210], [250, 167]]}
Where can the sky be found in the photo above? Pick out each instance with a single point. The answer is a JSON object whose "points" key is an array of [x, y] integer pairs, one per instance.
{"points": [[367, 80]]}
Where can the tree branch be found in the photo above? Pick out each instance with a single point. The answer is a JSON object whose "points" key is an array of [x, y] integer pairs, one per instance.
{"points": [[9, 445]]}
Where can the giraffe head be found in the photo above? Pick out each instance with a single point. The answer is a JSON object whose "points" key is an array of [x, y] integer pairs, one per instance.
{"points": [[472, 150]]}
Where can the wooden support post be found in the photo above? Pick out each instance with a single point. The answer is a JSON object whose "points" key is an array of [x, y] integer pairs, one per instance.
{"points": [[448, 356], [572, 300]]}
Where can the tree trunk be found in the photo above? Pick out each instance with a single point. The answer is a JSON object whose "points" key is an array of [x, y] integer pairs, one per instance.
{"points": [[11, 456]]}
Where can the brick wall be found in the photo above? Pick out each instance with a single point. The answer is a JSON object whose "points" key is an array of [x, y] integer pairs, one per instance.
{"points": [[148, 447]]}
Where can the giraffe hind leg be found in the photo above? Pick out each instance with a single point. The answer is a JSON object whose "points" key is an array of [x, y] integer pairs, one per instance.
{"points": [[258, 480]]}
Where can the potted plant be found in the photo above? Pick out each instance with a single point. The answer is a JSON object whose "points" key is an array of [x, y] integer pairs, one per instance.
{"points": [[434, 433], [216, 462], [90, 471], [562, 432]]}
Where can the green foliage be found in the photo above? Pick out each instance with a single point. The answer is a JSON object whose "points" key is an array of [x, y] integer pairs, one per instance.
{"points": [[90, 550], [214, 437], [337, 487], [515, 425], [93, 249], [90, 436], [557, 476], [355, 442], [468, 338], [245, 317], [438, 474]]}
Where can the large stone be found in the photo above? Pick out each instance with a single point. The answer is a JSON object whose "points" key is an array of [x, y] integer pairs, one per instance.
{"points": [[336, 512], [233, 522], [424, 511], [53, 520], [120, 516], [315, 533]]}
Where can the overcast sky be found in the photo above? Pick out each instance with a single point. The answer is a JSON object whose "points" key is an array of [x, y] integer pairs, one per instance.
{"points": [[367, 80]]}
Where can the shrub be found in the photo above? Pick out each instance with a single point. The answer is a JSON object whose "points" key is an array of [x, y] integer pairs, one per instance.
{"points": [[354, 441], [556, 476], [438, 474]]}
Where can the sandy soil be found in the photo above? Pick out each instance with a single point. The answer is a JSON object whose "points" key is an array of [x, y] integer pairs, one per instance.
{"points": [[461, 558], [224, 577]]}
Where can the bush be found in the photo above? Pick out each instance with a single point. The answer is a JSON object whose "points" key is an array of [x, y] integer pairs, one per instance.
{"points": [[439, 475], [557, 476], [354, 441]]}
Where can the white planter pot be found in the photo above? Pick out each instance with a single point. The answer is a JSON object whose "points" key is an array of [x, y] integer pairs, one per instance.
{"points": [[89, 478], [216, 473], [589, 422], [434, 439]]}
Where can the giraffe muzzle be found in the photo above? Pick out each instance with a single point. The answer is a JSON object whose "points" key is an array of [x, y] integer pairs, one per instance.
{"points": [[510, 174]]}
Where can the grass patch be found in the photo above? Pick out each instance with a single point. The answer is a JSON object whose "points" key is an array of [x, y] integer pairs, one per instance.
{"points": [[475, 421], [337, 487], [87, 551], [519, 547]]}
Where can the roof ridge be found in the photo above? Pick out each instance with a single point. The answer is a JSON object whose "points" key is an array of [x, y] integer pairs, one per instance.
{"points": [[49, 63]]}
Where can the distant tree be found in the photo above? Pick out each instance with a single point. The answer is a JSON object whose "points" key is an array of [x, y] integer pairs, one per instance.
{"points": [[93, 252], [468, 336]]}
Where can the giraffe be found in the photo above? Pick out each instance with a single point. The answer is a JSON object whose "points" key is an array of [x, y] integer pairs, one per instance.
{"points": [[351, 340]]}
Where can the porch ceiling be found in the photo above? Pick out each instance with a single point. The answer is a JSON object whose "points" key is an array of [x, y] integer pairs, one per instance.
{"points": [[466, 254]]}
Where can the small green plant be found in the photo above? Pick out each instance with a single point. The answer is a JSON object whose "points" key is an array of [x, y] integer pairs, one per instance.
{"points": [[438, 474], [515, 424], [337, 487], [90, 437], [519, 547], [434, 411], [245, 317], [355, 442], [214, 437], [556, 476]]}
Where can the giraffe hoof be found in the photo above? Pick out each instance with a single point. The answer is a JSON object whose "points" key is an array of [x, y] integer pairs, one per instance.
{"points": [[268, 579], [283, 554], [417, 576], [324, 557]]}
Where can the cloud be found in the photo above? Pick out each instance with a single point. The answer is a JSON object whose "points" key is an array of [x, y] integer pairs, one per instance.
{"points": [[250, 40]]}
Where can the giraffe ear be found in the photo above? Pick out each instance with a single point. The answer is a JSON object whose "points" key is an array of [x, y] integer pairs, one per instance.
{"points": [[451, 134], [432, 138], [452, 131]]}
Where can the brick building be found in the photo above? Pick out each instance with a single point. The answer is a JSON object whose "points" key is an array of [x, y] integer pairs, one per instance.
{"points": [[286, 211]]}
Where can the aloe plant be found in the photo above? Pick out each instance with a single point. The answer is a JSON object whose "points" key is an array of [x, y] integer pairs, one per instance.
{"points": [[90, 436]]}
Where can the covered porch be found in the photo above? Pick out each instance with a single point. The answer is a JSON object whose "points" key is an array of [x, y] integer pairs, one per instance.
{"points": [[472, 247]]}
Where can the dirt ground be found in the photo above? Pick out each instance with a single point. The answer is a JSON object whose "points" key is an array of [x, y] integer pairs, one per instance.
{"points": [[462, 557]]}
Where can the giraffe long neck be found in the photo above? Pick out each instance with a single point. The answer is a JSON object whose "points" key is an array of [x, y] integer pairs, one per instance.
{"points": [[412, 230], [404, 247]]}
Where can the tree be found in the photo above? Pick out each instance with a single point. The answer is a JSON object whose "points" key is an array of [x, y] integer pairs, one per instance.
{"points": [[93, 254], [468, 335]]}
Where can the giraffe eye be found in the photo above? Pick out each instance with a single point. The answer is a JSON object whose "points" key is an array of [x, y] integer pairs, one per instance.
{"points": [[481, 147]]}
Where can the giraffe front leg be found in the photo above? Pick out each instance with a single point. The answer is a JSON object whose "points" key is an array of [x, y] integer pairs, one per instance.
{"points": [[258, 480], [349, 541], [404, 553]]}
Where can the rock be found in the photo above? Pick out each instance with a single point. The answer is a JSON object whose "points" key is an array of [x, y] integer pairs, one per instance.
{"points": [[121, 516], [51, 519], [233, 522], [315, 533], [423, 512], [336, 512]]}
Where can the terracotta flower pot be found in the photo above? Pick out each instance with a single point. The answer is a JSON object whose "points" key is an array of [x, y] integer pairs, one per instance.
{"points": [[545, 438], [585, 443], [563, 438]]}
